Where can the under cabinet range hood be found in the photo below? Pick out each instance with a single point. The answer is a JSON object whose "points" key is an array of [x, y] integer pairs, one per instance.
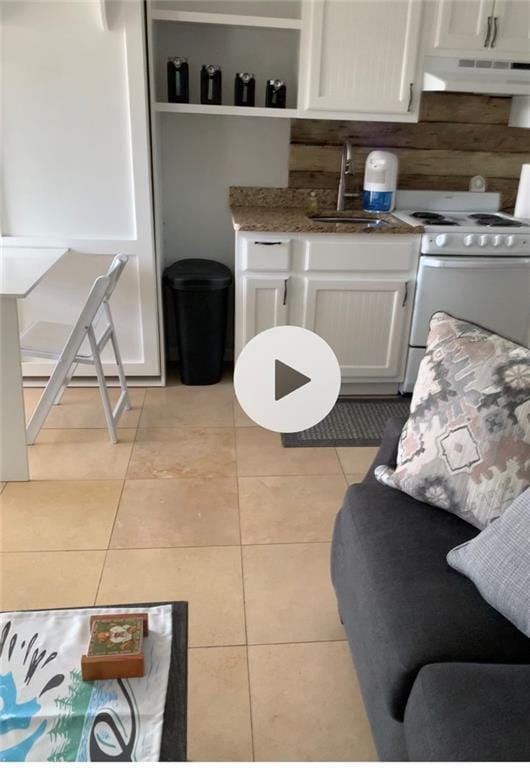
{"points": [[495, 78]]}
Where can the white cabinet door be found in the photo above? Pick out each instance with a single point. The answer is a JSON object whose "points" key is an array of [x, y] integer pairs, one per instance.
{"points": [[359, 57], [364, 322], [512, 20], [464, 24], [261, 304]]}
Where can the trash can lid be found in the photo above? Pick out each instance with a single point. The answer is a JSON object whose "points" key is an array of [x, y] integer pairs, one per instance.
{"points": [[197, 274]]}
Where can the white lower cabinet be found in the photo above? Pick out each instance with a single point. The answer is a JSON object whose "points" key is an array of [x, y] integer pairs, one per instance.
{"points": [[355, 291], [363, 321], [261, 304]]}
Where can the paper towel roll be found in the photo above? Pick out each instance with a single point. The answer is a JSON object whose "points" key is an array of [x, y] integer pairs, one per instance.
{"points": [[522, 203]]}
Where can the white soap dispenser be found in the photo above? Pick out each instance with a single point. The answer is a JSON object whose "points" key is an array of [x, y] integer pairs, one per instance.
{"points": [[380, 182]]}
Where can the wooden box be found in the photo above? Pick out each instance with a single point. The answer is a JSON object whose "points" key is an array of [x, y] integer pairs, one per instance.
{"points": [[115, 647]]}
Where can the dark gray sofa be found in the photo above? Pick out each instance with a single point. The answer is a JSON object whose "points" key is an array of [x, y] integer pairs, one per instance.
{"points": [[443, 675]]}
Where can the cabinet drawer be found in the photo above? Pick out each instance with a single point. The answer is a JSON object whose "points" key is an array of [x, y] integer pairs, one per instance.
{"points": [[266, 254], [370, 253]]}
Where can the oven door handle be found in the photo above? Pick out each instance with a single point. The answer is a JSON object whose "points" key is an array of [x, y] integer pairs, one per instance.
{"points": [[457, 263]]}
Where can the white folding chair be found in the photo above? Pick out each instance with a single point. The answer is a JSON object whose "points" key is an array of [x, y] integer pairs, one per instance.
{"points": [[63, 343]]}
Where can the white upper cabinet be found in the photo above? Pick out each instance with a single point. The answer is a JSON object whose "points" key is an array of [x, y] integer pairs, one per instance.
{"points": [[498, 28], [512, 19], [464, 24], [358, 59]]}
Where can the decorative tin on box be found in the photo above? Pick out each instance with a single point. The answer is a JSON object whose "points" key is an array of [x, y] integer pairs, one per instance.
{"points": [[115, 647], [116, 636]]}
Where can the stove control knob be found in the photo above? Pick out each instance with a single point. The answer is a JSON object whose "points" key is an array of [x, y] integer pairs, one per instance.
{"points": [[469, 240], [440, 240], [483, 240], [497, 240], [509, 241]]}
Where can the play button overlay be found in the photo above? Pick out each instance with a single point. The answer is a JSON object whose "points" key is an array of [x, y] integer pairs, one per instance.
{"points": [[287, 379]]}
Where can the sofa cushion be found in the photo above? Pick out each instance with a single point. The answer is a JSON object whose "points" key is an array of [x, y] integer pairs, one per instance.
{"points": [[469, 712], [466, 445], [394, 580], [498, 563]]}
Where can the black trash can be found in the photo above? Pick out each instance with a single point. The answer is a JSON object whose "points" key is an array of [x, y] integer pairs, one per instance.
{"points": [[196, 299]]}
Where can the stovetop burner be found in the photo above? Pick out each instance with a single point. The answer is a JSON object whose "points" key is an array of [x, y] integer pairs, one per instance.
{"points": [[441, 222], [434, 219], [485, 219], [428, 215], [492, 220], [486, 216]]}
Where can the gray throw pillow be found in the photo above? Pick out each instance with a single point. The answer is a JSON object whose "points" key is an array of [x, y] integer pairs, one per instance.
{"points": [[498, 563]]}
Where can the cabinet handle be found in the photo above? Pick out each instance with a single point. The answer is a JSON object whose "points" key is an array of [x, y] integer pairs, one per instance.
{"points": [[285, 284], [406, 296], [267, 242], [494, 38], [488, 33], [411, 95]]}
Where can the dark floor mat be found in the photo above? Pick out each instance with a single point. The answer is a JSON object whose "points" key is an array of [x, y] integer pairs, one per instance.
{"points": [[352, 422]]}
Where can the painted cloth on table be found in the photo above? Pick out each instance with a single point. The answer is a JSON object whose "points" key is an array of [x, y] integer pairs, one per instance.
{"points": [[466, 445], [47, 711]]}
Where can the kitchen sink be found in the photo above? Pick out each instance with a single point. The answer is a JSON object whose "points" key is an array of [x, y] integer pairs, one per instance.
{"points": [[374, 223]]}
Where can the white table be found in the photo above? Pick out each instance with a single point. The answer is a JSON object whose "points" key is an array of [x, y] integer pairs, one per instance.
{"points": [[21, 269]]}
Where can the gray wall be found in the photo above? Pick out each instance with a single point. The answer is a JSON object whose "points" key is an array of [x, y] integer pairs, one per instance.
{"points": [[203, 155]]}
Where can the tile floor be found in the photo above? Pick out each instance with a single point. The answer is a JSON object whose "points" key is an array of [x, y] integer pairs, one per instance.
{"points": [[196, 503]]}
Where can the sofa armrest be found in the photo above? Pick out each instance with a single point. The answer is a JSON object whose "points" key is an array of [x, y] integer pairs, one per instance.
{"points": [[387, 452], [478, 712]]}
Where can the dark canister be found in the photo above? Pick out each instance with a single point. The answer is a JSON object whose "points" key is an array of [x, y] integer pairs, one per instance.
{"points": [[276, 94], [178, 80], [244, 90], [211, 84]]}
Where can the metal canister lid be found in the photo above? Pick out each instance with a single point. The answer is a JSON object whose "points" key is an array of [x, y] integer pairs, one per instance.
{"points": [[212, 68], [178, 61], [246, 77], [276, 84]]}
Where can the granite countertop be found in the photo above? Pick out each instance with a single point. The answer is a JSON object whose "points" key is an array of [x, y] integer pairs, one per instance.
{"points": [[261, 219], [256, 209]]}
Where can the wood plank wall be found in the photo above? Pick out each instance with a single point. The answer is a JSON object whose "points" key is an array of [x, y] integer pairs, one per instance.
{"points": [[458, 136]]}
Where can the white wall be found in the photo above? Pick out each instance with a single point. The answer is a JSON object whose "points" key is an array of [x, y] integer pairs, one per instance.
{"points": [[203, 155], [66, 148], [75, 161]]}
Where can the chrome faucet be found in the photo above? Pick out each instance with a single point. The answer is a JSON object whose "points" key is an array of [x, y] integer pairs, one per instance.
{"points": [[346, 169]]}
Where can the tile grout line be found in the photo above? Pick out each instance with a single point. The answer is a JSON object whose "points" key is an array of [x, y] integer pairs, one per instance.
{"points": [[342, 467], [267, 645], [117, 510], [166, 548], [249, 692]]}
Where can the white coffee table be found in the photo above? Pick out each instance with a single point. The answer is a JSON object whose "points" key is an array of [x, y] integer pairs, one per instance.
{"points": [[21, 269]]}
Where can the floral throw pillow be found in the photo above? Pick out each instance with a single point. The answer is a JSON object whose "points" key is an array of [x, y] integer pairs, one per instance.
{"points": [[466, 445]]}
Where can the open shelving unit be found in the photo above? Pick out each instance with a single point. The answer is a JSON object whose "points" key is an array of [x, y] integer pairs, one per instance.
{"points": [[228, 19], [200, 150], [265, 45], [224, 109]]}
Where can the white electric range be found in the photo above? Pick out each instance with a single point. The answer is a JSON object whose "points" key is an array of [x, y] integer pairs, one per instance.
{"points": [[474, 264]]}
